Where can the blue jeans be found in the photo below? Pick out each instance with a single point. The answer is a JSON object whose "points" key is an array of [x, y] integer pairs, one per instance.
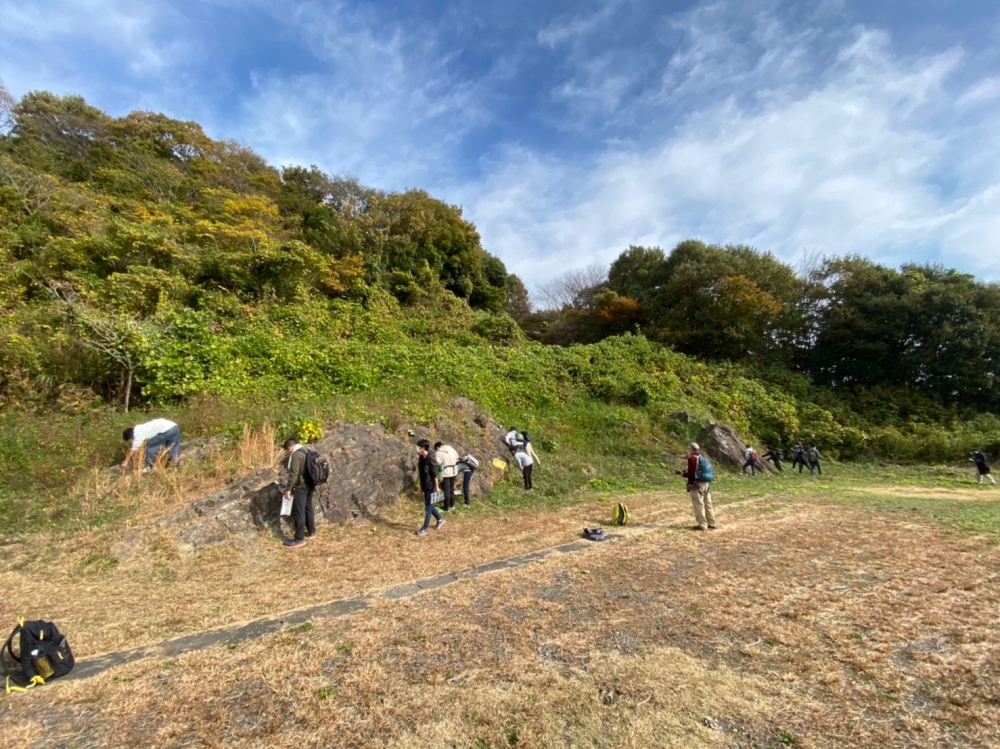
{"points": [[430, 509], [466, 482], [170, 439]]}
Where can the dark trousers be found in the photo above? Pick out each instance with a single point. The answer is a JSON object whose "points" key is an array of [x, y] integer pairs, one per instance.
{"points": [[466, 483], [814, 467], [430, 510], [448, 490], [777, 464], [302, 513], [170, 440], [752, 464], [526, 472]]}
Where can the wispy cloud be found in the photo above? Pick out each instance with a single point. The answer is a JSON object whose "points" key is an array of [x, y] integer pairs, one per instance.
{"points": [[384, 103], [852, 159]]}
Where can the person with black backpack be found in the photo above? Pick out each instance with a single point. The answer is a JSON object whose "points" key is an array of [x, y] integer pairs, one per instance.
{"points": [[699, 475], [296, 484]]}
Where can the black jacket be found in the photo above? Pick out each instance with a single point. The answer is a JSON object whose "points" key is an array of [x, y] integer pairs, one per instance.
{"points": [[428, 469]]}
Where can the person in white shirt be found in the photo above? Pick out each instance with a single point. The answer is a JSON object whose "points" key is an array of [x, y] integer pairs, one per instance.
{"points": [[513, 438], [524, 462], [157, 435], [448, 456]]}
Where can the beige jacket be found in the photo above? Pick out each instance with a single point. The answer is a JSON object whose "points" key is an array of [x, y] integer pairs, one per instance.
{"points": [[448, 456]]}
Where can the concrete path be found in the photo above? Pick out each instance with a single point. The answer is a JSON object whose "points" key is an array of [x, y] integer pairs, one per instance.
{"points": [[233, 634]]}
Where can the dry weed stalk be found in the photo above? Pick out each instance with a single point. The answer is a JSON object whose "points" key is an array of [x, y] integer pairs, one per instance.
{"points": [[256, 447]]}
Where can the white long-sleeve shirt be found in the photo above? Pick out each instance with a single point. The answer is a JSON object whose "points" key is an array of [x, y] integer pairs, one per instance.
{"points": [[143, 432]]}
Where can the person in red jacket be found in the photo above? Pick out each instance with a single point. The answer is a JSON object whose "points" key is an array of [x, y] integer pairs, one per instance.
{"points": [[699, 475]]}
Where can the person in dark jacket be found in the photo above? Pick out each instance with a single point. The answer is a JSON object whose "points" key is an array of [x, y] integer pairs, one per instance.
{"points": [[295, 486], [775, 456], [982, 468], [428, 470]]}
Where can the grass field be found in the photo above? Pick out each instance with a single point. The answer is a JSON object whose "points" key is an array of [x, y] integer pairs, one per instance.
{"points": [[858, 609]]}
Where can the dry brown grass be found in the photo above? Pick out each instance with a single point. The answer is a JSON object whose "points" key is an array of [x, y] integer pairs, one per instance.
{"points": [[825, 626]]}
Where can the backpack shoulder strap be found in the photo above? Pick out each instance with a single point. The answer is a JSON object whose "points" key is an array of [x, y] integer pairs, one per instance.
{"points": [[9, 647]]}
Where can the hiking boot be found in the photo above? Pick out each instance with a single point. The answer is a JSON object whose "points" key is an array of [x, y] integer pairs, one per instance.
{"points": [[698, 528], [293, 543], [422, 532], [441, 522], [713, 527]]}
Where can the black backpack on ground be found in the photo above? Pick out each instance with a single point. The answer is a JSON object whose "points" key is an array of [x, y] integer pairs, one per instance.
{"points": [[43, 654], [593, 534], [317, 469]]}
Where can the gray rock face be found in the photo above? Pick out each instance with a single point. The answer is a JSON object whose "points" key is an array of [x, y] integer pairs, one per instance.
{"points": [[722, 444], [369, 470]]}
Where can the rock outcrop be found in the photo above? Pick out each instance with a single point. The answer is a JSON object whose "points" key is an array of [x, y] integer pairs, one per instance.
{"points": [[722, 444], [370, 468]]}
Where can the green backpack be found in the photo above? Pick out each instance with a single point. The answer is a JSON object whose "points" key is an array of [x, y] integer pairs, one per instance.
{"points": [[621, 514]]}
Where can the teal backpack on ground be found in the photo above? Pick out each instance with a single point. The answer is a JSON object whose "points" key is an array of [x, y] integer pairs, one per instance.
{"points": [[621, 513], [705, 471]]}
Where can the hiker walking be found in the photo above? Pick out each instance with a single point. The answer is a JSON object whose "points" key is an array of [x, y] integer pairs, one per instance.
{"points": [[428, 470], [775, 456], [814, 465], [699, 475], [295, 486], [525, 463], [157, 435], [751, 458], [467, 466], [448, 458], [982, 469], [799, 457]]}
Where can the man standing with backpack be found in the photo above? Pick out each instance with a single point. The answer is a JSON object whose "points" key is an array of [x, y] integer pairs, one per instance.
{"points": [[814, 466], [699, 475], [751, 456], [296, 485]]}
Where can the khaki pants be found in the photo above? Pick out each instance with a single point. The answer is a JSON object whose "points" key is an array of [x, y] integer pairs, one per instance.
{"points": [[701, 499]]}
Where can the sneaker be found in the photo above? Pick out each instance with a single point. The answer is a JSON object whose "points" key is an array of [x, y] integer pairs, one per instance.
{"points": [[422, 532], [293, 543], [440, 523], [147, 469], [468, 504]]}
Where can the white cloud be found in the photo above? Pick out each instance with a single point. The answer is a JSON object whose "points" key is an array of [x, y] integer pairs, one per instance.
{"points": [[126, 29], [384, 106], [851, 164]]}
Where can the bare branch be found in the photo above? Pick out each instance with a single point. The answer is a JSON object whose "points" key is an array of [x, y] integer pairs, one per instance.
{"points": [[565, 291]]}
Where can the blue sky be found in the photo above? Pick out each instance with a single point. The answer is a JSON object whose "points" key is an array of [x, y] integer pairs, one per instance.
{"points": [[569, 130]]}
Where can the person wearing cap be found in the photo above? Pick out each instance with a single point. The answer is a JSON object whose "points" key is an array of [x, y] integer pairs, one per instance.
{"points": [[982, 468]]}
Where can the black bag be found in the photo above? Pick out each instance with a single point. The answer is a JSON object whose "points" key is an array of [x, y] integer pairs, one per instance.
{"points": [[593, 534], [317, 469], [43, 654]]}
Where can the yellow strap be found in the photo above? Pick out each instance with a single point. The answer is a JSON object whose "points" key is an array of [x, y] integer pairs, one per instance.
{"points": [[20, 620]]}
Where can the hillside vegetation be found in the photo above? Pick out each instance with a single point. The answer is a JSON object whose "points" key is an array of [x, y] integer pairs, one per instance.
{"points": [[148, 266]]}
